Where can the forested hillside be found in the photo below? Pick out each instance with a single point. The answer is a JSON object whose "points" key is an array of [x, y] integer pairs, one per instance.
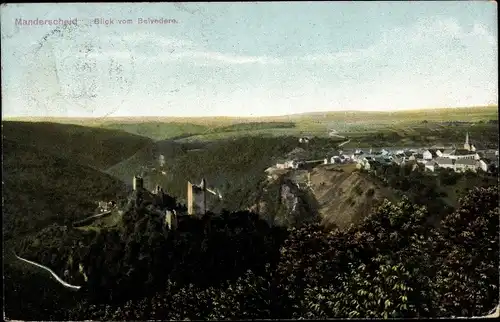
{"points": [[90, 146], [41, 188], [233, 266]]}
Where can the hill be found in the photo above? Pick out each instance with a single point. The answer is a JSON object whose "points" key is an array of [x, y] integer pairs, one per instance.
{"points": [[235, 167], [41, 188], [90, 146], [233, 265], [344, 196], [159, 130]]}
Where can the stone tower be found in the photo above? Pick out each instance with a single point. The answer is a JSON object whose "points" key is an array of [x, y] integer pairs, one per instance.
{"points": [[137, 183], [197, 198]]}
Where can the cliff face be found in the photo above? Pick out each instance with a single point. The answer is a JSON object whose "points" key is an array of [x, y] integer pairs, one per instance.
{"points": [[337, 196], [282, 203], [345, 196]]}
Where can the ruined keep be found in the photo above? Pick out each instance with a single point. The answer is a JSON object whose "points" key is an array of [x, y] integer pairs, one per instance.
{"points": [[138, 183], [197, 198]]}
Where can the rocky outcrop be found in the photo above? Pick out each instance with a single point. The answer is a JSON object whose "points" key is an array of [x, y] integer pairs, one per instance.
{"points": [[282, 203], [345, 197]]}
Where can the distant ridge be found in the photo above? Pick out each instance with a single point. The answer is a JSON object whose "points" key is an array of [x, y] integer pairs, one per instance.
{"points": [[97, 121]]}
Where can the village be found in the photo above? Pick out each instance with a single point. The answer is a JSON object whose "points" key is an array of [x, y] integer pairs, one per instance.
{"points": [[468, 158]]}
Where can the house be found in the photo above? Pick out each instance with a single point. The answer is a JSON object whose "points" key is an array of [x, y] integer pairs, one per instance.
{"points": [[408, 154], [430, 165], [462, 165], [345, 158], [464, 154], [358, 154], [280, 165], [398, 160], [416, 156], [304, 140], [103, 205], [483, 165], [430, 154], [444, 163], [335, 159], [368, 158], [365, 165]]}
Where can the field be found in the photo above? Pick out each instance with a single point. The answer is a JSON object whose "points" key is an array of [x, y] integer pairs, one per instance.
{"points": [[409, 125]]}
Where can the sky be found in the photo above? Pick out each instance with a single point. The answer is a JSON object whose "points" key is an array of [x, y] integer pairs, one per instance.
{"points": [[247, 59]]}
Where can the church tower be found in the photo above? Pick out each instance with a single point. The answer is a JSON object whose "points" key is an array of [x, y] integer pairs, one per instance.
{"points": [[466, 144]]}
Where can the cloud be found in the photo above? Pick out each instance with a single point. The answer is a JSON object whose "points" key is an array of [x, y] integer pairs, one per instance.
{"points": [[431, 35], [427, 34], [147, 46], [217, 57]]}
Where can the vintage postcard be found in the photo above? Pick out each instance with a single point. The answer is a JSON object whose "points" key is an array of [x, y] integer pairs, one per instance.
{"points": [[250, 160]]}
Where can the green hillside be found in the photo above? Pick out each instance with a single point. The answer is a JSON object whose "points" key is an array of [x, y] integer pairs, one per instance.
{"points": [[177, 130], [41, 188], [94, 147], [159, 130]]}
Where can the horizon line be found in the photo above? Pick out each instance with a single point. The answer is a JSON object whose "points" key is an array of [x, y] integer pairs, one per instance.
{"points": [[253, 116]]}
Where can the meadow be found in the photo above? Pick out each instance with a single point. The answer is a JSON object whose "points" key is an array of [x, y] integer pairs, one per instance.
{"points": [[407, 126]]}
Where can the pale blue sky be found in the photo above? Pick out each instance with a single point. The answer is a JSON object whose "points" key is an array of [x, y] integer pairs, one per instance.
{"points": [[248, 59]]}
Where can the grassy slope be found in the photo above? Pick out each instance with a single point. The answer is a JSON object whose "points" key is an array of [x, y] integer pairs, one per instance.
{"points": [[159, 130], [98, 148], [352, 123]]}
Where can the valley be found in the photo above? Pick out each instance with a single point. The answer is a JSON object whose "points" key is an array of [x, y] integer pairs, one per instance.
{"points": [[131, 247]]}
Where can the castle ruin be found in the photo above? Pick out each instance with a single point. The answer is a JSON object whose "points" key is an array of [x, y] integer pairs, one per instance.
{"points": [[138, 183], [171, 219], [197, 198]]}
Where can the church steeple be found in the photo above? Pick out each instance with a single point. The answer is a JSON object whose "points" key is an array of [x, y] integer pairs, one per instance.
{"points": [[466, 144]]}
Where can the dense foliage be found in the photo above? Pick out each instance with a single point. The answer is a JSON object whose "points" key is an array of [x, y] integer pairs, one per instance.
{"points": [[251, 126], [438, 191], [235, 167], [393, 264], [95, 147], [42, 189]]}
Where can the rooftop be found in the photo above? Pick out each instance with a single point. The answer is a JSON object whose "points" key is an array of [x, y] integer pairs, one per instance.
{"points": [[465, 162], [444, 161]]}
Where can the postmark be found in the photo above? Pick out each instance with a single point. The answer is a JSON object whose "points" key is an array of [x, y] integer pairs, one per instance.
{"points": [[82, 70]]}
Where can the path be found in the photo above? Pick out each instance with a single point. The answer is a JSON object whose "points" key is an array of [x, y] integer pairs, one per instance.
{"points": [[75, 287], [93, 216], [341, 144]]}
